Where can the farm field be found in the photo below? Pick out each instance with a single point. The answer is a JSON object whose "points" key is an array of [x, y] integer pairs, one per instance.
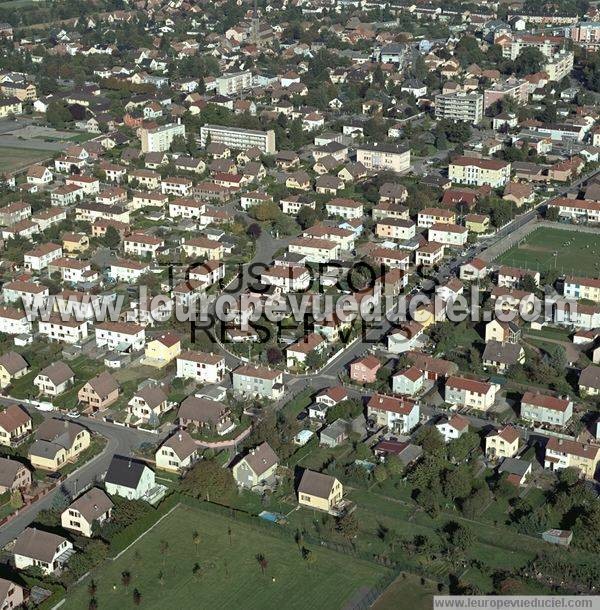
{"points": [[569, 252], [226, 566], [12, 159]]}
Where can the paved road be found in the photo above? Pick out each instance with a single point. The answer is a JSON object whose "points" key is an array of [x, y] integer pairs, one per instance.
{"points": [[120, 440]]}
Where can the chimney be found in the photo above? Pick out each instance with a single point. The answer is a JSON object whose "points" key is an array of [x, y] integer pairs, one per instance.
{"points": [[180, 437]]}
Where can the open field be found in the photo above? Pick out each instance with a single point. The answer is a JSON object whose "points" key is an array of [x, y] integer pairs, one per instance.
{"points": [[228, 573], [12, 159], [544, 249]]}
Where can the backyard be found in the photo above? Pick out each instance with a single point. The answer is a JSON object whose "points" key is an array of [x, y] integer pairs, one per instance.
{"points": [[547, 249], [218, 564]]}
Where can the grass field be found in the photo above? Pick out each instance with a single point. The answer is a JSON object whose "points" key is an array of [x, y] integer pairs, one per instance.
{"points": [[229, 575], [12, 159], [407, 592], [566, 251]]}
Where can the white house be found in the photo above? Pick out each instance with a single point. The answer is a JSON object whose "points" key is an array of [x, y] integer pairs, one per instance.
{"points": [[129, 478], [452, 428], [399, 414], [201, 367], [37, 548], [120, 335]]}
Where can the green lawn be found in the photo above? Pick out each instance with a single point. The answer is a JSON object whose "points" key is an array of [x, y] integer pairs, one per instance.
{"points": [[229, 574], [576, 253], [407, 592], [16, 158]]}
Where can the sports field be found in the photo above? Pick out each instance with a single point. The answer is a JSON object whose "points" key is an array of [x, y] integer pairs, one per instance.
{"points": [[569, 252], [227, 573]]}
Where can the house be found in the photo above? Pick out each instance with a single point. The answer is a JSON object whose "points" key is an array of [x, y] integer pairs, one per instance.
{"points": [[54, 379], [177, 453], [99, 392], [41, 256], [57, 442], [297, 352], [40, 175], [129, 478], [589, 381], [479, 171], [429, 254], [347, 209], [334, 434], [258, 381], [75, 243], [319, 491], [428, 217], [37, 548], [201, 366], [502, 443], [325, 400], [453, 427], [501, 356], [148, 403], [258, 467], [15, 425], [14, 321], [474, 270], [395, 228], [398, 414], [582, 288], [409, 381], [544, 409], [12, 366], [92, 508], [477, 223], [470, 393], [13, 476], [162, 350], [198, 414], [364, 370], [564, 453], [503, 332], [512, 277], [516, 470]]}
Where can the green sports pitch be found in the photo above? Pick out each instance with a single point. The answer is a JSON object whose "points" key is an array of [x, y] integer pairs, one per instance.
{"points": [[567, 252]]}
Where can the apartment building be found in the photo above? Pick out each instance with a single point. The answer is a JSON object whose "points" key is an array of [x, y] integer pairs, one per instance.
{"points": [[428, 217], [203, 247], [383, 157], [459, 106], [30, 294], [201, 367], [258, 381], [289, 279], [233, 83], [142, 245], [62, 330], [544, 409], [159, 139], [559, 65], [14, 212], [14, 321], [177, 186], [396, 228], [122, 335], [470, 393], [127, 271], [238, 138], [41, 256], [577, 210], [585, 33], [517, 89], [315, 250], [448, 234], [480, 172], [547, 45], [582, 288]]}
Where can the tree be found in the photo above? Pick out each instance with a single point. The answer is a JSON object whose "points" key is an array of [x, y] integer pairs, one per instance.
{"points": [[528, 283], [552, 213], [137, 597], [468, 52], [207, 479], [262, 562], [457, 483], [266, 211], [112, 239], [196, 539], [347, 526], [254, 231], [93, 604], [529, 61], [274, 355], [126, 578], [58, 115], [307, 217], [380, 473]]}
